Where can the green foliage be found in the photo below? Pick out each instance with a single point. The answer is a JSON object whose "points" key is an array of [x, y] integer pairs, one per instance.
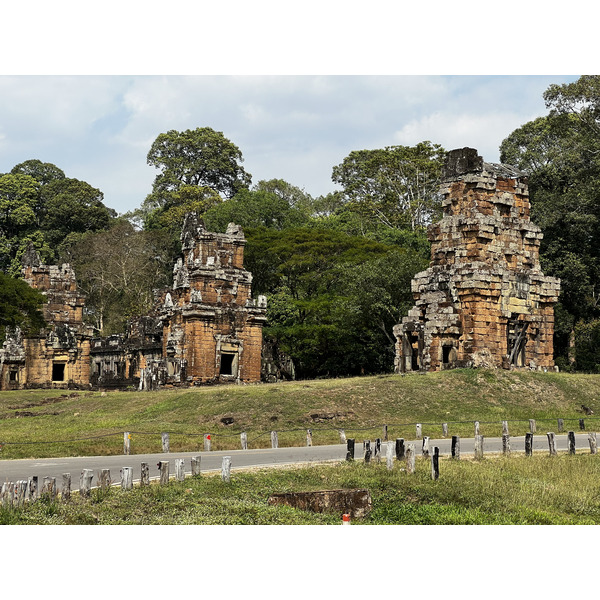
{"points": [[396, 186], [199, 157], [587, 346], [43, 173], [19, 306]]}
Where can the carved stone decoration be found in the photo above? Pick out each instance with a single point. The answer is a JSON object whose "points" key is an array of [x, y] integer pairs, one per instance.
{"points": [[483, 301]]}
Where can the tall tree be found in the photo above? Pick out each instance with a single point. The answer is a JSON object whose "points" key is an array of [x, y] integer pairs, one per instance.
{"points": [[20, 306], [198, 157], [396, 186]]}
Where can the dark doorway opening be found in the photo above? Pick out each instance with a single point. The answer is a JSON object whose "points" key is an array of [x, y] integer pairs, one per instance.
{"points": [[227, 363], [446, 354], [13, 376], [58, 372]]}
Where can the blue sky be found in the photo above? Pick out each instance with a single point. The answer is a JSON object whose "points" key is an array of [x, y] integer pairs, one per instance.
{"points": [[99, 128]]}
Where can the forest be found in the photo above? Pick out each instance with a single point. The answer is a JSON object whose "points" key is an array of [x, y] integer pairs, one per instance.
{"points": [[336, 269]]}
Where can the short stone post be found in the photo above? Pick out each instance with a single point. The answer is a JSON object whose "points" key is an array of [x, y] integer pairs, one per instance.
{"points": [[419, 431], [455, 449], [350, 450], [384, 433], [226, 469], [410, 459], [244, 440], [528, 444], [20, 489], [127, 478], [165, 441], [532, 428], [207, 442], [571, 441], [399, 448], [476, 428], [561, 425], [49, 487], [478, 448], [367, 447], [105, 480], [389, 456], [504, 427], [551, 443], [308, 437], [592, 441], [425, 449], [196, 463], [85, 482], [163, 468], [274, 440], [32, 485], [145, 474], [6, 495], [179, 469], [378, 449], [435, 464], [505, 444], [65, 492], [127, 443], [445, 429], [581, 424], [342, 436]]}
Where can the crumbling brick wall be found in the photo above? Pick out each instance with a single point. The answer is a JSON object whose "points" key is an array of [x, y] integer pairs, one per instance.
{"points": [[484, 300]]}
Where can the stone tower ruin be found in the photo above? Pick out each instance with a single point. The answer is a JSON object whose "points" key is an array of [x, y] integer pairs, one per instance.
{"points": [[483, 301]]}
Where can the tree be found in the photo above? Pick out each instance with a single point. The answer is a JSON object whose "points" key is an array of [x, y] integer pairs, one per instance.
{"points": [[199, 157], [43, 173], [19, 306], [396, 186]]}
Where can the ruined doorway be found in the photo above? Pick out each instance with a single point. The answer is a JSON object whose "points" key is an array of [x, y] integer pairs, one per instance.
{"points": [[228, 363], [516, 340], [58, 371], [448, 356]]}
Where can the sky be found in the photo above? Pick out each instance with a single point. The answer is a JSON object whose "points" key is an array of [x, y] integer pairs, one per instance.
{"points": [[99, 128]]}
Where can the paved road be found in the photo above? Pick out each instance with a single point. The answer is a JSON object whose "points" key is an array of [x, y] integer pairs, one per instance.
{"points": [[14, 470]]}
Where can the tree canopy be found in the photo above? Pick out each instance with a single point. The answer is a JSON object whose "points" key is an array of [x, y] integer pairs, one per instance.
{"points": [[20, 306]]}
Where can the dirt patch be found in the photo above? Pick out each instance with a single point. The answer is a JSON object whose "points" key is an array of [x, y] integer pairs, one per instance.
{"points": [[323, 416]]}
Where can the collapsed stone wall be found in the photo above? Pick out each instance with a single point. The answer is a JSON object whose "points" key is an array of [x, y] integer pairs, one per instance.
{"points": [[484, 300]]}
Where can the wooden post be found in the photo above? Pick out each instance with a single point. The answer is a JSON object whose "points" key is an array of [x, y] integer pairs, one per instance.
{"points": [[435, 464], [196, 462], [561, 425], [145, 474], [592, 441], [244, 440], [165, 441], [528, 444], [226, 469], [551, 443], [342, 436], [504, 427], [105, 480], [127, 443], [127, 478], [456, 447], [350, 451], [476, 428], [419, 431], [308, 437], [163, 467], [478, 449], [85, 482], [581, 424], [65, 493], [425, 449], [367, 447], [207, 442], [410, 458], [274, 440], [179, 469], [532, 426], [571, 439], [389, 456], [33, 488], [385, 433], [399, 448], [445, 429], [505, 444]]}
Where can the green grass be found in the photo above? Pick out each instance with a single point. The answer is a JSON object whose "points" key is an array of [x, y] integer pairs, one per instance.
{"points": [[497, 490], [37, 423]]}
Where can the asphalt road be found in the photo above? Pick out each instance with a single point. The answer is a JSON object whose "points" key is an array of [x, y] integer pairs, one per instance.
{"points": [[14, 470]]}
